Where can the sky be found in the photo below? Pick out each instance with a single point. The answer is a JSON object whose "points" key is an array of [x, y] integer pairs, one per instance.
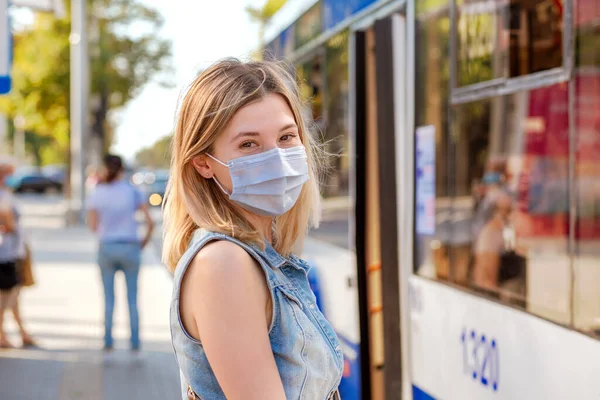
{"points": [[201, 32]]}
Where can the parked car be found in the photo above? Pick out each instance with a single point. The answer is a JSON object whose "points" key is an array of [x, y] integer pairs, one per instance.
{"points": [[56, 172], [33, 182], [153, 185], [155, 191]]}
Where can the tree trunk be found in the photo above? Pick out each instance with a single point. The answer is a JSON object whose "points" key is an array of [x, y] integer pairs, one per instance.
{"points": [[97, 143]]}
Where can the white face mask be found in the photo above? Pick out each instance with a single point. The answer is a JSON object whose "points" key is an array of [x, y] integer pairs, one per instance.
{"points": [[267, 183]]}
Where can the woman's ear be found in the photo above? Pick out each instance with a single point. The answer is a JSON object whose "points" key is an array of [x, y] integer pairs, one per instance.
{"points": [[202, 166]]}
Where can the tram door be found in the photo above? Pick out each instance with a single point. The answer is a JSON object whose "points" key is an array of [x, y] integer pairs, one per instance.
{"points": [[376, 105]]}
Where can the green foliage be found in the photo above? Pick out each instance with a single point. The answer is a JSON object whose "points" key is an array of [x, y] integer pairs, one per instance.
{"points": [[422, 6], [36, 145], [262, 16], [41, 81], [266, 12], [125, 54], [156, 156]]}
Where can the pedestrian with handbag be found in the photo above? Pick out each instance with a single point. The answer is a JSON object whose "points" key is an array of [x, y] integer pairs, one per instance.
{"points": [[25, 279], [8, 249]]}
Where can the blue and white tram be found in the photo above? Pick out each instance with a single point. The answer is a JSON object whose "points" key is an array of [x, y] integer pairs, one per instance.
{"points": [[460, 253]]}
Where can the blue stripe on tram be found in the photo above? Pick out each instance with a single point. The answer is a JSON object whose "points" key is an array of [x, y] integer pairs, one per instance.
{"points": [[419, 394]]}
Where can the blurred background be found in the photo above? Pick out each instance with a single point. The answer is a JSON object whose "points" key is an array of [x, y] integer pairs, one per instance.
{"points": [[459, 254], [80, 79]]}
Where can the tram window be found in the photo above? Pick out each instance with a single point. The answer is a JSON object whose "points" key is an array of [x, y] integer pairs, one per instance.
{"points": [[501, 229], [323, 80], [308, 25], [310, 81], [510, 212], [478, 35], [431, 89], [336, 137], [587, 169], [332, 123], [507, 39]]}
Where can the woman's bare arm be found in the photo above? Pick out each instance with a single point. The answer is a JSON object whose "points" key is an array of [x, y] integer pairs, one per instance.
{"points": [[92, 220], [225, 294], [149, 225]]}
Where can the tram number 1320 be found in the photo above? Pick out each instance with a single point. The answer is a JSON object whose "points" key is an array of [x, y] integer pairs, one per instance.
{"points": [[481, 358]]}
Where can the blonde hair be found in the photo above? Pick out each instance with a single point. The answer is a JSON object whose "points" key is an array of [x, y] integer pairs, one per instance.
{"points": [[192, 201]]}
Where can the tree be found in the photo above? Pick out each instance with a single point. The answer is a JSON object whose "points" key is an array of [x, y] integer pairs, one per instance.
{"points": [[41, 83], [125, 54], [156, 156], [262, 16], [122, 63], [35, 144]]}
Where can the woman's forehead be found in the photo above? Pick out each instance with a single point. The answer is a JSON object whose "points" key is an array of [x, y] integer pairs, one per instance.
{"points": [[269, 113]]}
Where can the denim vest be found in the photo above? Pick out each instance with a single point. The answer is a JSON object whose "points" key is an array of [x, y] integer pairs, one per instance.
{"points": [[305, 346]]}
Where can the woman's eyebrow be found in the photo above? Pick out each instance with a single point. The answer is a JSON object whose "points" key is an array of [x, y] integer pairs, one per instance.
{"points": [[288, 126], [254, 134], [242, 134]]}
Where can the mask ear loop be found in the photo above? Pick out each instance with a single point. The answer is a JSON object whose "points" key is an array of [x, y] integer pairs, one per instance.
{"points": [[217, 160], [220, 187], [215, 179]]}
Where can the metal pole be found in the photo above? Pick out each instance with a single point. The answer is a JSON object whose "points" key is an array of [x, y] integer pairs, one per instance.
{"points": [[79, 108], [19, 139]]}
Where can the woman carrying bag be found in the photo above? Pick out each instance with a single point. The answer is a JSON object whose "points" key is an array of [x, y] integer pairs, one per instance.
{"points": [[25, 278], [12, 252]]}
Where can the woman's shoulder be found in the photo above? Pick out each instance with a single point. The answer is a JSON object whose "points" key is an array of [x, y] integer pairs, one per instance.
{"points": [[222, 259], [223, 267], [222, 250]]}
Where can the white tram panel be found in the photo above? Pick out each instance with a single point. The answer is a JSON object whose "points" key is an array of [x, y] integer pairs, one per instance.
{"points": [[465, 347]]}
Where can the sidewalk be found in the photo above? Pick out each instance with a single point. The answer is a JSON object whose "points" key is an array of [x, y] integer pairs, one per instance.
{"points": [[64, 312]]}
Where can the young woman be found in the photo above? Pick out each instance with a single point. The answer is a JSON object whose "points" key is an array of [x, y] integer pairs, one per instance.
{"points": [[242, 194], [13, 252], [112, 207], [26, 279], [8, 250]]}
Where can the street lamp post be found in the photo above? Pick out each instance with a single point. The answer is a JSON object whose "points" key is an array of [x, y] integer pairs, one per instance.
{"points": [[79, 109]]}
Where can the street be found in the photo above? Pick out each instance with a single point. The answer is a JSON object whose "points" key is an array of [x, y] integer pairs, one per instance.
{"points": [[64, 312]]}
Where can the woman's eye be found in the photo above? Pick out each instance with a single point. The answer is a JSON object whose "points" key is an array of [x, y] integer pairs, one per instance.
{"points": [[247, 145], [287, 137]]}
